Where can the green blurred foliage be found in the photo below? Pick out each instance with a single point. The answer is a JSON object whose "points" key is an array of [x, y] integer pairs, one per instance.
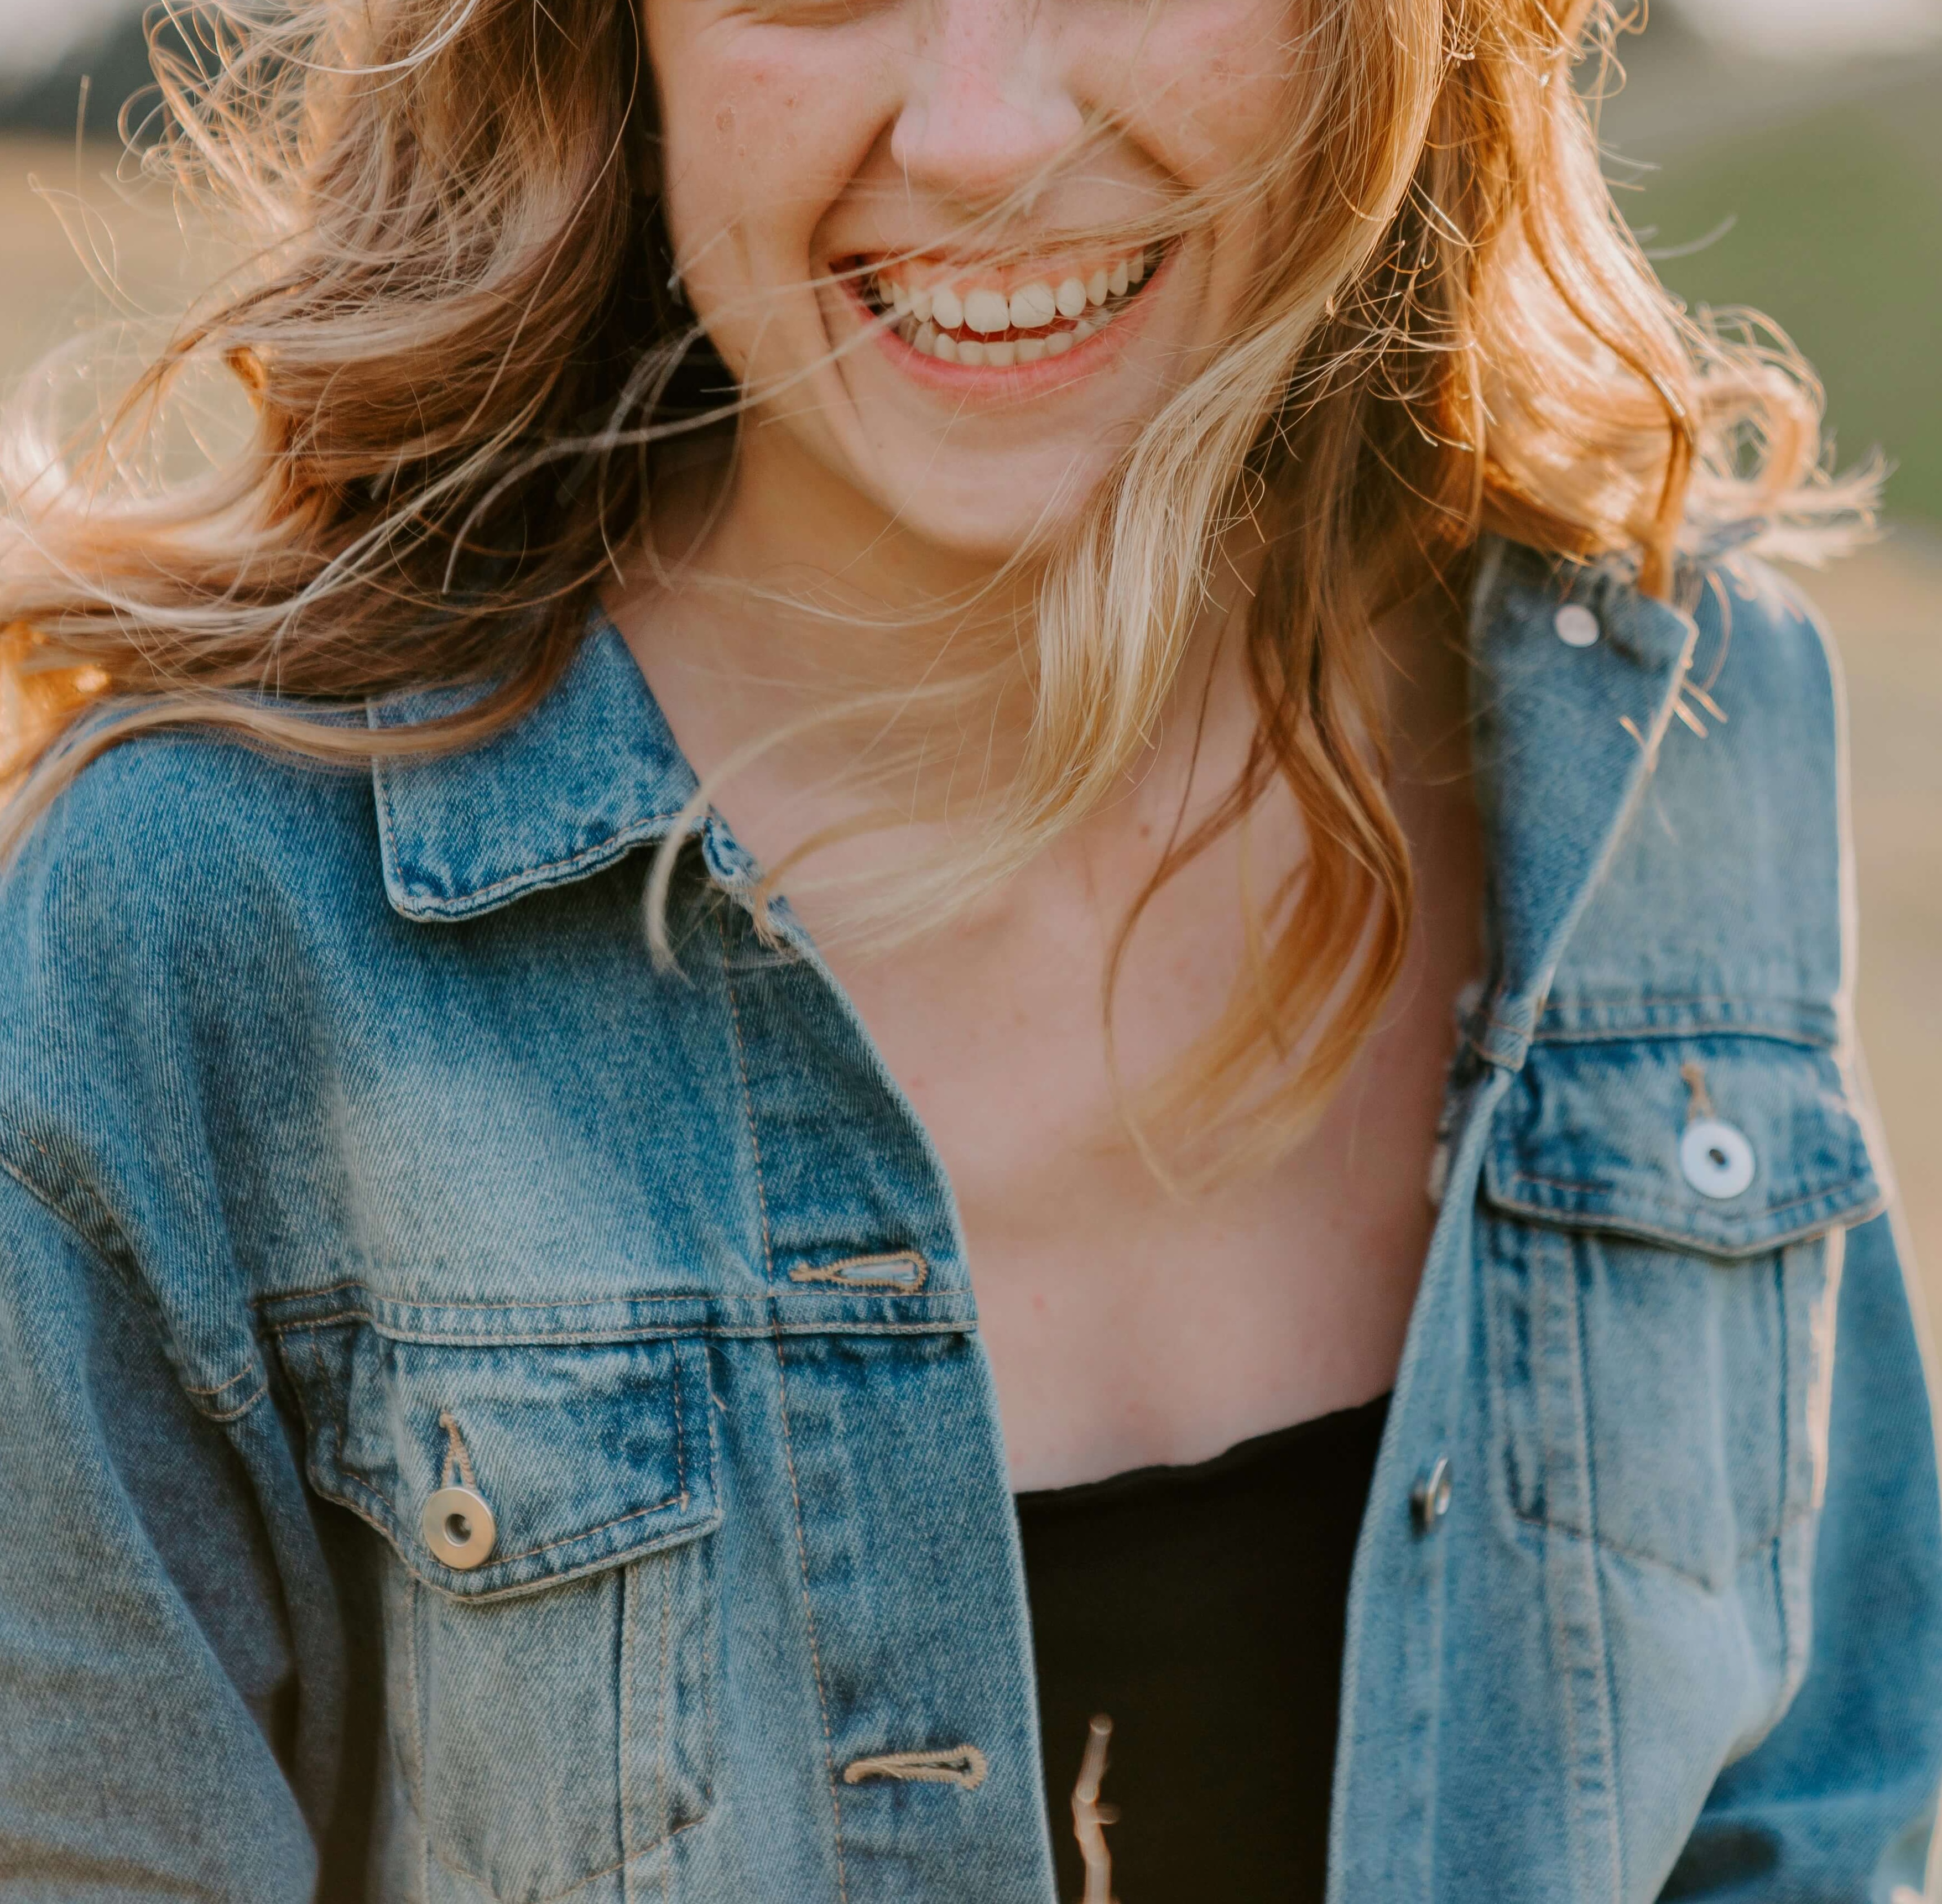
{"points": [[1836, 235]]}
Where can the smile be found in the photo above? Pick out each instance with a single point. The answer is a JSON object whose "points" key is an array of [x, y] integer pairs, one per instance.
{"points": [[986, 325]]}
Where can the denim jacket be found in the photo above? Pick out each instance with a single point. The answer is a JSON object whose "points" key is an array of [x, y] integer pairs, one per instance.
{"points": [[486, 1418]]}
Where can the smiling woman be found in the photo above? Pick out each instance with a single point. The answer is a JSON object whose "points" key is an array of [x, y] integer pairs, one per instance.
{"points": [[1013, 665]]}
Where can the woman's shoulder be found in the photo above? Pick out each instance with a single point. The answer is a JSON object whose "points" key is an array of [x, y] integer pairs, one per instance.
{"points": [[1731, 886], [1720, 588], [158, 925], [1785, 651], [1664, 782], [170, 839], [1755, 746], [1735, 654], [169, 900]]}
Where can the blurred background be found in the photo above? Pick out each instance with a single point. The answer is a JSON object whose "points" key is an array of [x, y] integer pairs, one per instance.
{"points": [[1782, 153]]}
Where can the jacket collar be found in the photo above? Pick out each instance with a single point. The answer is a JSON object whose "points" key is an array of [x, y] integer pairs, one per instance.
{"points": [[590, 774], [1564, 739]]}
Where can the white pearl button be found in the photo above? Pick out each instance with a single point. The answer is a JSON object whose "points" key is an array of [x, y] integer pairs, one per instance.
{"points": [[1576, 625], [1717, 1158], [458, 1527]]}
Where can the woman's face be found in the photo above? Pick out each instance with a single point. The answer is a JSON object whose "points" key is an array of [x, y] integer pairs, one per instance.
{"points": [[832, 169]]}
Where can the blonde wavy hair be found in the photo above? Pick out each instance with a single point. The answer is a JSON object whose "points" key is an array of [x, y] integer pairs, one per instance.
{"points": [[458, 339]]}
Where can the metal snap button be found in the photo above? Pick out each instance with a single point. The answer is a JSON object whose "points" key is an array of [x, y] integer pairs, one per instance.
{"points": [[1576, 625], [458, 1527], [1429, 1499], [1717, 1159]]}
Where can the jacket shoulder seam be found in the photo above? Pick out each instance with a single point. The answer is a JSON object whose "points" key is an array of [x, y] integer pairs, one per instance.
{"points": [[228, 1401]]}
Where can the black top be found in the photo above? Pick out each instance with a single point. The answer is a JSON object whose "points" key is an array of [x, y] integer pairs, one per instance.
{"points": [[1201, 1609]]}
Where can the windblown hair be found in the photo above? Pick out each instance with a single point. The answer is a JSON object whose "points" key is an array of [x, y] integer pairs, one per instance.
{"points": [[459, 340]]}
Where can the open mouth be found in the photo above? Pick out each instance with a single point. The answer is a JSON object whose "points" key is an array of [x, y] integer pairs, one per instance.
{"points": [[956, 320]]}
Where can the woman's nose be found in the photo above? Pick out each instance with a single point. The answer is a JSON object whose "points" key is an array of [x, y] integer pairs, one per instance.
{"points": [[989, 108]]}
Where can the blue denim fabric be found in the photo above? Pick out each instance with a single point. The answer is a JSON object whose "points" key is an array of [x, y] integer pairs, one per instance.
{"points": [[352, 1150]]}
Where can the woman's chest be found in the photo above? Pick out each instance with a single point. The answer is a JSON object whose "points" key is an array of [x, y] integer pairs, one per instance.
{"points": [[1133, 1315]]}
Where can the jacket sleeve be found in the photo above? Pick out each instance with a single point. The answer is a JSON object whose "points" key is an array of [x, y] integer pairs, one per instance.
{"points": [[1837, 1803], [147, 1694]]}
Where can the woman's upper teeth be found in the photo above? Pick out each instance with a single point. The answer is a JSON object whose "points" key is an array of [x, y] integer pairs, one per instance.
{"points": [[985, 312]]}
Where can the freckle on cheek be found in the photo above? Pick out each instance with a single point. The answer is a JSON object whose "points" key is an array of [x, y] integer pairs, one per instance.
{"points": [[725, 119]]}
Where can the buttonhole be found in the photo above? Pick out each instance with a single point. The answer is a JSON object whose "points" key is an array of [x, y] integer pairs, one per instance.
{"points": [[895, 1270], [963, 1764]]}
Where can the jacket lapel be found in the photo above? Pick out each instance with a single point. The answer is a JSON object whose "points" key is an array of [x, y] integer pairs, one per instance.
{"points": [[1575, 678]]}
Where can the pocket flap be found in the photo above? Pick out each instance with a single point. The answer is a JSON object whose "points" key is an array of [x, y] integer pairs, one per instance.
{"points": [[1730, 1145], [585, 1455]]}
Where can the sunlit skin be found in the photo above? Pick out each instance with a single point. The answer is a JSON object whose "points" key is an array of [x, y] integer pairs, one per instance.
{"points": [[806, 150]]}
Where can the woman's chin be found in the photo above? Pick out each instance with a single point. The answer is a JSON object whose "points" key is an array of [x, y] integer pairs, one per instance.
{"points": [[984, 506], [980, 539]]}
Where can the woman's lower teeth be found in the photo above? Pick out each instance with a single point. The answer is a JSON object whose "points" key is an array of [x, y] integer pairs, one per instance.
{"points": [[964, 346]]}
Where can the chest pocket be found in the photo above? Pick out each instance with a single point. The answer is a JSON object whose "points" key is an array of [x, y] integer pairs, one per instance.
{"points": [[549, 1611], [1663, 1282]]}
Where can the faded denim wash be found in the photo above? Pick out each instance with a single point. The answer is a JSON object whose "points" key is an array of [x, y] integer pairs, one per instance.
{"points": [[354, 1150]]}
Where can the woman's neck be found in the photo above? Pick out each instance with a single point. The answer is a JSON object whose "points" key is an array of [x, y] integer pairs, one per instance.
{"points": [[836, 670]]}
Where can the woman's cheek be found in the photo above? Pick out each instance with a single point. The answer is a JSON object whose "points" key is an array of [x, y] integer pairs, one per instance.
{"points": [[782, 122], [1215, 81], [724, 148]]}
